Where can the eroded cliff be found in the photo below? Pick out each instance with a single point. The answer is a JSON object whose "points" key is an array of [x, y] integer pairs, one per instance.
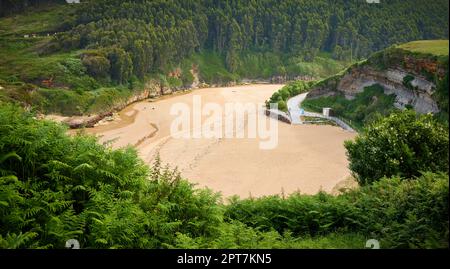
{"points": [[412, 77]]}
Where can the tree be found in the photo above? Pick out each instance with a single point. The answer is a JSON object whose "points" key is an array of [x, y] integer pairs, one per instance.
{"points": [[121, 65], [282, 105], [403, 144], [97, 65], [232, 60]]}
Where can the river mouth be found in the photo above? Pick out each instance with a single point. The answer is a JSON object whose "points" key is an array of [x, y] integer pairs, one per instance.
{"points": [[306, 159]]}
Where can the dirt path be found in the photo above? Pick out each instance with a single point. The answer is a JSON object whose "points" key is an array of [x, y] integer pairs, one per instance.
{"points": [[308, 158]]}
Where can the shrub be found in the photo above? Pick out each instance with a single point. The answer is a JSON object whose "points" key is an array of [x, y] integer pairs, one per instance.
{"points": [[407, 81], [402, 144], [54, 187], [288, 91], [399, 213], [282, 105], [97, 65]]}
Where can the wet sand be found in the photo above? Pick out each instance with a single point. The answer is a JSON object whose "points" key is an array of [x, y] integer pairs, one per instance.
{"points": [[308, 158]]}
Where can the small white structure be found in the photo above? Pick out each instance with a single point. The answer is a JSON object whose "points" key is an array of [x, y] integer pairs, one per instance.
{"points": [[73, 1], [326, 111]]}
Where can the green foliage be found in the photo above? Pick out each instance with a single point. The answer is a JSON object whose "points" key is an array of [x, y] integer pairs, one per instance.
{"points": [[435, 47], [292, 89], [65, 102], [97, 65], [121, 65], [441, 95], [235, 234], [407, 81], [212, 68], [367, 106], [29, 16], [55, 187], [174, 82], [419, 62], [118, 41], [322, 66], [187, 78], [282, 105], [65, 187], [392, 210], [403, 144]]}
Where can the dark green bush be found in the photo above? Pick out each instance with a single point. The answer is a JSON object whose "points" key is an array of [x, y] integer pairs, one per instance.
{"points": [[54, 187], [292, 89], [399, 213], [407, 81], [402, 144]]}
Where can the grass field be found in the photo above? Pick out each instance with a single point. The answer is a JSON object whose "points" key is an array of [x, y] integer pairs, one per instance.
{"points": [[435, 47], [45, 19]]}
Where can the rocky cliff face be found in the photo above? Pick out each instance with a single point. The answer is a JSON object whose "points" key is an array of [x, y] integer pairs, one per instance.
{"points": [[151, 89], [418, 93], [419, 96]]}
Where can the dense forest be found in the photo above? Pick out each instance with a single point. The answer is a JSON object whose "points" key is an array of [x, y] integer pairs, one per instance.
{"points": [[79, 55], [136, 37]]}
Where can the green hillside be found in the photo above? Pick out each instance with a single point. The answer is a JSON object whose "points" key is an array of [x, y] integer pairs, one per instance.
{"points": [[85, 58], [81, 54], [434, 47], [425, 58]]}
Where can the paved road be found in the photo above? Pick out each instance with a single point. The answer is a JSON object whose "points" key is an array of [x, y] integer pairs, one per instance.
{"points": [[293, 105], [295, 112]]}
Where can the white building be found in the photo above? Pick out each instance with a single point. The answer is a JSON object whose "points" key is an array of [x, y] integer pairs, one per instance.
{"points": [[326, 111], [73, 1]]}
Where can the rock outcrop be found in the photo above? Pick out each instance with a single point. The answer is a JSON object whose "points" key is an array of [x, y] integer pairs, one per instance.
{"points": [[419, 96], [152, 89], [417, 93]]}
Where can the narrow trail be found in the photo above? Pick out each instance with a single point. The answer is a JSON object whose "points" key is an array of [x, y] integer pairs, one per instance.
{"points": [[293, 105], [295, 113]]}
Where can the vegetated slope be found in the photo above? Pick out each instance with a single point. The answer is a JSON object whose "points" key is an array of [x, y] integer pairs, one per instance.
{"points": [[55, 187], [8, 7], [413, 75], [111, 50]]}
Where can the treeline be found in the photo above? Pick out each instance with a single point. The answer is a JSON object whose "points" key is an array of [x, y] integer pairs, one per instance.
{"points": [[137, 37]]}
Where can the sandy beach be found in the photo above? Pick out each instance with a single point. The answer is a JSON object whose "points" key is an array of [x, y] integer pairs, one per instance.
{"points": [[308, 158]]}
